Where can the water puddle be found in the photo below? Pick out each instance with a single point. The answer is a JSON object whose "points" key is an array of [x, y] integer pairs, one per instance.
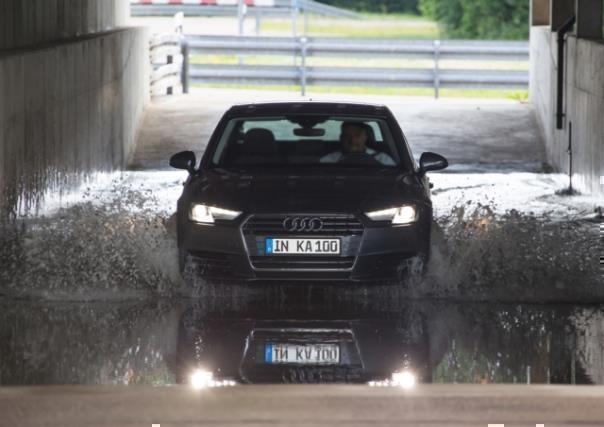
{"points": [[239, 340]]}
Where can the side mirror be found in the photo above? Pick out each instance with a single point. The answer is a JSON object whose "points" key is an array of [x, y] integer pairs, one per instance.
{"points": [[184, 160], [432, 162]]}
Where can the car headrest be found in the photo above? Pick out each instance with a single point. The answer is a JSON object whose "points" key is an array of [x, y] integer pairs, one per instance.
{"points": [[259, 142], [370, 134]]}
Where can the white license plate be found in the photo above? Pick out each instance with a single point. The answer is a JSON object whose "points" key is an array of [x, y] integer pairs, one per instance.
{"points": [[302, 246], [307, 354]]}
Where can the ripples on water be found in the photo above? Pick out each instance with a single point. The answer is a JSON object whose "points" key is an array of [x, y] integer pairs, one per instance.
{"points": [[118, 242]]}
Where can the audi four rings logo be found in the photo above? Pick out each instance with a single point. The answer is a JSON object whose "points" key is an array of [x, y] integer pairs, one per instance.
{"points": [[302, 224]]}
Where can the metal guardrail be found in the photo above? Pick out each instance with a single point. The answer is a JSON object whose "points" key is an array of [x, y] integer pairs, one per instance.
{"points": [[301, 48], [356, 76], [278, 8], [367, 48]]}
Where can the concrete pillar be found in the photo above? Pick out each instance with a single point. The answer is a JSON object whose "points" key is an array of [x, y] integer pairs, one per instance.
{"points": [[540, 12], [560, 11], [589, 19]]}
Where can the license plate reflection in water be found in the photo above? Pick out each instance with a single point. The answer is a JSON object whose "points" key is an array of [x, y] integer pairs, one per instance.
{"points": [[309, 354]]}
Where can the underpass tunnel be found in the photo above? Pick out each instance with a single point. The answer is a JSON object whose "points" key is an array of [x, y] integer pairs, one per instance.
{"points": [[93, 293], [73, 86], [74, 83], [76, 103]]}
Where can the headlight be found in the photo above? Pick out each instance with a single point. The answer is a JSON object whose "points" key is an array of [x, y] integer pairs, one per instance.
{"points": [[207, 214], [404, 379], [201, 379], [402, 215]]}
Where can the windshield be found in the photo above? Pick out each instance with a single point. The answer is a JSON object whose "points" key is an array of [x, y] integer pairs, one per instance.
{"points": [[306, 140]]}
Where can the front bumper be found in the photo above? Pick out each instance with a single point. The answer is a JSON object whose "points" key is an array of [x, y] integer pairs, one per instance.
{"points": [[367, 252]]}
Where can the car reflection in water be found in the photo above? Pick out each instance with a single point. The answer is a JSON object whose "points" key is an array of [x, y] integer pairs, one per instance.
{"points": [[260, 348], [360, 339], [364, 342]]}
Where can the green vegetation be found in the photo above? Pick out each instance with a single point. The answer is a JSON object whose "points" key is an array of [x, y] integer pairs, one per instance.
{"points": [[373, 26], [517, 95], [465, 19], [480, 19]]}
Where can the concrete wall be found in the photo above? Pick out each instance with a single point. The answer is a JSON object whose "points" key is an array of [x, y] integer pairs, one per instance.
{"points": [[30, 22], [71, 107], [584, 105]]}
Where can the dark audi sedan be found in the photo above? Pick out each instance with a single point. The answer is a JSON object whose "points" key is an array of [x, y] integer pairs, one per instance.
{"points": [[305, 191]]}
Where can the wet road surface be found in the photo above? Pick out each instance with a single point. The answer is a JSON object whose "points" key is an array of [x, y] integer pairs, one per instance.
{"points": [[459, 354], [164, 342]]}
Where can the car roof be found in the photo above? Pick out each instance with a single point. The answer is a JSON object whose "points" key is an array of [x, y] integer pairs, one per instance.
{"points": [[308, 107]]}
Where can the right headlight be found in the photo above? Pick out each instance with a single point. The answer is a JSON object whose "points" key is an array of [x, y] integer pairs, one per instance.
{"points": [[406, 214], [207, 214]]}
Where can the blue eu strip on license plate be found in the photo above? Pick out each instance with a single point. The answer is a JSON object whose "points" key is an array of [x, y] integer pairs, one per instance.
{"points": [[269, 245], [268, 353]]}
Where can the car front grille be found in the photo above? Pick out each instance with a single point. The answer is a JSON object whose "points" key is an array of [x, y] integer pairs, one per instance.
{"points": [[332, 225], [302, 262]]}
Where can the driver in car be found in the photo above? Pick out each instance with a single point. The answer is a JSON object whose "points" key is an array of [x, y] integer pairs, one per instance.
{"points": [[354, 141]]}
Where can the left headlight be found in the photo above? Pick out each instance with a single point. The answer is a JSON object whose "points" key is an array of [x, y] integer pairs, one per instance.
{"points": [[207, 214], [406, 214]]}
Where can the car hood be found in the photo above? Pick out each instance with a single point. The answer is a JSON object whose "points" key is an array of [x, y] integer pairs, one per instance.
{"points": [[304, 192]]}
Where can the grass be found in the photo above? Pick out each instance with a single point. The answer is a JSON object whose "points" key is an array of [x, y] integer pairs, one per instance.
{"points": [[372, 26], [517, 95]]}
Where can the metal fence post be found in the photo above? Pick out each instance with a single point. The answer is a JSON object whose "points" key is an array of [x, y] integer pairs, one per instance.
{"points": [[295, 6], [184, 74], [240, 15], [303, 46], [436, 69]]}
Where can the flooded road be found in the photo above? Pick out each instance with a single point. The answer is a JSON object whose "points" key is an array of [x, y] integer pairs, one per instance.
{"points": [[90, 293], [505, 236], [164, 342]]}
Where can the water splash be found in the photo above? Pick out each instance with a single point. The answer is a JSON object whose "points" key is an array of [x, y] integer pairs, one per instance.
{"points": [[114, 245], [479, 254], [118, 242]]}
